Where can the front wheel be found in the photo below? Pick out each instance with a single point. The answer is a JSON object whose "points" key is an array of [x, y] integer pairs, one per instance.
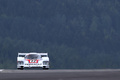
{"points": [[44, 68], [20, 68]]}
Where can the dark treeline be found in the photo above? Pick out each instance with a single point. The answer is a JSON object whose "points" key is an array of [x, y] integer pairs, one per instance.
{"points": [[77, 34]]}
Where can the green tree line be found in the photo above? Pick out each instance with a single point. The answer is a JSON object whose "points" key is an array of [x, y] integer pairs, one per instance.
{"points": [[77, 34]]}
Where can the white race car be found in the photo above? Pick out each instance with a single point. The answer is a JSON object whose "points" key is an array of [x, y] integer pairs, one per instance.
{"points": [[32, 60]]}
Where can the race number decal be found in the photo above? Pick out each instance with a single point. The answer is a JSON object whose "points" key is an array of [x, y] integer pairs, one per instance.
{"points": [[33, 61]]}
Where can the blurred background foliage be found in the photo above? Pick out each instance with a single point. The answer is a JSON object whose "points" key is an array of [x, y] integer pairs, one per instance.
{"points": [[77, 34]]}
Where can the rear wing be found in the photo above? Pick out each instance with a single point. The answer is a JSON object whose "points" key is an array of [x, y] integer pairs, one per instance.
{"points": [[23, 54]]}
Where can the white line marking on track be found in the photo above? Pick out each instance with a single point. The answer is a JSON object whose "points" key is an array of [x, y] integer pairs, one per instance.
{"points": [[1, 70]]}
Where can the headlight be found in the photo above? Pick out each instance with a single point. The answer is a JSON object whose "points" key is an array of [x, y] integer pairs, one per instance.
{"points": [[45, 62], [20, 62]]}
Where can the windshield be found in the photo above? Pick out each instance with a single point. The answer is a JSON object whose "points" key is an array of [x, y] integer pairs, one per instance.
{"points": [[32, 56]]}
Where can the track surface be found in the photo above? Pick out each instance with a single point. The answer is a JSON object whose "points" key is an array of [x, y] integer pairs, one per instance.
{"points": [[102, 74]]}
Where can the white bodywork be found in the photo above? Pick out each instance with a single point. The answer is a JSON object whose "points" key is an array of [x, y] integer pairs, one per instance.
{"points": [[42, 61]]}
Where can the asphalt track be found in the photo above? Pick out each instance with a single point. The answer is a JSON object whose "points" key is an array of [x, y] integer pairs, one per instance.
{"points": [[100, 74]]}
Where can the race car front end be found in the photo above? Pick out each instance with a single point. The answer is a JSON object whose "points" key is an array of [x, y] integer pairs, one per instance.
{"points": [[33, 61]]}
